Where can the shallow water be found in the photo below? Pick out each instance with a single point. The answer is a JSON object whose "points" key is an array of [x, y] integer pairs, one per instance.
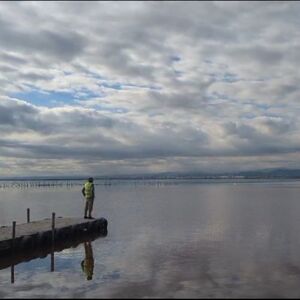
{"points": [[166, 240]]}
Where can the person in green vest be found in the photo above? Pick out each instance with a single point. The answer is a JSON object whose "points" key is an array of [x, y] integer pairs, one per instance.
{"points": [[88, 192]]}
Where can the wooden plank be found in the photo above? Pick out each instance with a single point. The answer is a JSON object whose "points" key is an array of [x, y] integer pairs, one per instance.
{"points": [[41, 248], [38, 234], [39, 226]]}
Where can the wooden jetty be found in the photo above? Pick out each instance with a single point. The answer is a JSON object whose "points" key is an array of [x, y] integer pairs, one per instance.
{"points": [[43, 251], [45, 233]]}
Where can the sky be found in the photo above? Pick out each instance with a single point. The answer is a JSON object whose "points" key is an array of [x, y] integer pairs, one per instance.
{"points": [[117, 87]]}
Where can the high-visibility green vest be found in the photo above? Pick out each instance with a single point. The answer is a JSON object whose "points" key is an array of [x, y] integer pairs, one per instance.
{"points": [[88, 189]]}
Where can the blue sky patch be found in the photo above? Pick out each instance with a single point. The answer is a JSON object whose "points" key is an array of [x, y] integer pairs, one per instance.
{"points": [[123, 86], [52, 98], [42, 98], [115, 86]]}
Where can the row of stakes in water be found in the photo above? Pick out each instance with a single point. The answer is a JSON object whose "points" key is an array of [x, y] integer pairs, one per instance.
{"points": [[64, 183]]}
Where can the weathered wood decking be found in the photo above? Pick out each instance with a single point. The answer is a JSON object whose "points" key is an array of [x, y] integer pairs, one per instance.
{"points": [[38, 234]]}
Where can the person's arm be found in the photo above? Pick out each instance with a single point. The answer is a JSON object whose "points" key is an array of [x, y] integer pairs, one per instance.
{"points": [[83, 191], [93, 191]]}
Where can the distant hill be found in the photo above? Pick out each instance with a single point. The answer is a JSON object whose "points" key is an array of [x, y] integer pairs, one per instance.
{"points": [[272, 173]]}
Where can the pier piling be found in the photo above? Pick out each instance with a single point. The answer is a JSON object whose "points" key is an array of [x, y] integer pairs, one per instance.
{"points": [[28, 215], [52, 243], [12, 250]]}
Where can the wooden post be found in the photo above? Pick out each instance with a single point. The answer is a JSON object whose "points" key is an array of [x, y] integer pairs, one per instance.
{"points": [[13, 233], [53, 227], [28, 215], [52, 261], [13, 250], [53, 235]]}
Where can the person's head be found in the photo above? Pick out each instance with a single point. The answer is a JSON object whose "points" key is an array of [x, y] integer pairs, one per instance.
{"points": [[91, 179]]}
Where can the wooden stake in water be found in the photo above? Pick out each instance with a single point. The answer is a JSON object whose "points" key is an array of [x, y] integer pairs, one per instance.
{"points": [[52, 248], [13, 250], [28, 215]]}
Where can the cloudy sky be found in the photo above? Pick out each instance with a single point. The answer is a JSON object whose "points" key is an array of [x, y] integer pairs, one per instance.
{"points": [[107, 88]]}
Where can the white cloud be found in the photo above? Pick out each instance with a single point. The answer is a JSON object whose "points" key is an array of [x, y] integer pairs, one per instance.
{"points": [[152, 86]]}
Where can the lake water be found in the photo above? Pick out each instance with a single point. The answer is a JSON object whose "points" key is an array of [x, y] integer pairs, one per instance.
{"points": [[166, 239]]}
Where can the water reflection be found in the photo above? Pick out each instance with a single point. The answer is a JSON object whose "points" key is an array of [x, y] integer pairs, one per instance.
{"points": [[87, 264], [188, 241], [14, 258]]}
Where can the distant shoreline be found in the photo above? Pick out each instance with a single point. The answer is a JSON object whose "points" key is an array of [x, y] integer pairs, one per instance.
{"points": [[141, 178]]}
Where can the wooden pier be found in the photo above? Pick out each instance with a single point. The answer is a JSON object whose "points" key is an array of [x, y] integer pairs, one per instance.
{"points": [[46, 233]]}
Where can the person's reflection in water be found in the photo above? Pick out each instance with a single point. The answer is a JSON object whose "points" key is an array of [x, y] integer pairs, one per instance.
{"points": [[87, 264]]}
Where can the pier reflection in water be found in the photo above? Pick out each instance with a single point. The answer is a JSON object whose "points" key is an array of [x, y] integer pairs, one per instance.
{"points": [[17, 257], [88, 263]]}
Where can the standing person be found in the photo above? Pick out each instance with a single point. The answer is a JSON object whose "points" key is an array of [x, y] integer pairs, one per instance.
{"points": [[88, 192]]}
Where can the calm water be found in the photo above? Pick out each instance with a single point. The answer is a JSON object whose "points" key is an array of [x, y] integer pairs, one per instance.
{"points": [[174, 240]]}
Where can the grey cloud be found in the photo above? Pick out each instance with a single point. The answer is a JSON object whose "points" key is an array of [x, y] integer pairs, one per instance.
{"points": [[7, 69], [275, 126], [64, 45], [21, 117], [133, 42], [243, 131], [13, 59], [162, 146], [105, 149], [11, 112], [190, 96], [82, 134], [257, 54], [187, 19], [248, 141], [279, 126], [87, 120], [116, 57], [34, 76]]}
